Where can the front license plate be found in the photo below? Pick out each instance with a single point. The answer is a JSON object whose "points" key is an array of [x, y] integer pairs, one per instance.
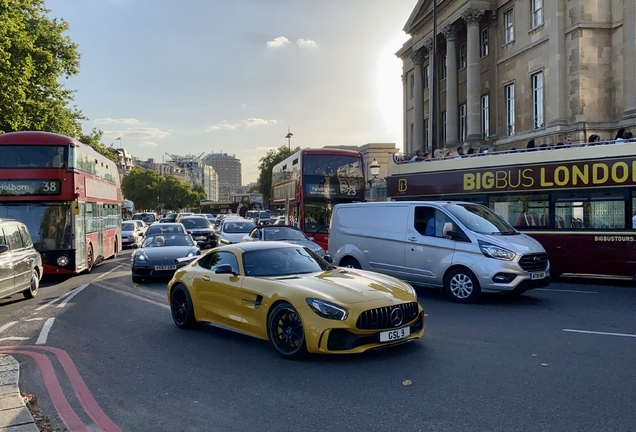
{"points": [[200, 238], [166, 267], [393, 335], [538, 275]]}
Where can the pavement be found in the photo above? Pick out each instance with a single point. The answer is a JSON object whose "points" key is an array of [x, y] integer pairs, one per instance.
{"points": [[14, 415]]}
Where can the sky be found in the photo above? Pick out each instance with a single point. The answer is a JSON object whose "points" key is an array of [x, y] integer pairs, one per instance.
{"points": [[191, 77]]}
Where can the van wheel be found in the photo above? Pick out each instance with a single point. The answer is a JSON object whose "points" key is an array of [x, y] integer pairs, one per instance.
{"points": [[461, 286], [350, 263]]}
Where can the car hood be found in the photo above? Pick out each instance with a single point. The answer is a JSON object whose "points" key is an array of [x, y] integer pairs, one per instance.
{"points": [[305, 243], [350, 286], [168, 253], [127, 233], [233, 237]]}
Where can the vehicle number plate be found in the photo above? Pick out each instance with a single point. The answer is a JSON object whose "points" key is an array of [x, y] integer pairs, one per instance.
{"points": [[200, 238], [393, 335], [166, 267], [539, 275]]}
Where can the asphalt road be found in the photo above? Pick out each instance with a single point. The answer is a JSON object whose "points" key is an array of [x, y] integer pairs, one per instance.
{"points": [[503, 364]]}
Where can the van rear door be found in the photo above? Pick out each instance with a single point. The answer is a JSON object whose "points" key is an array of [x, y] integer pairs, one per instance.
{"points": [[427, 253]]}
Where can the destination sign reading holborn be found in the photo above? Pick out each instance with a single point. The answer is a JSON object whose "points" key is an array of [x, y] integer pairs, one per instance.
{"points": [[606, 173], [22, 187]]}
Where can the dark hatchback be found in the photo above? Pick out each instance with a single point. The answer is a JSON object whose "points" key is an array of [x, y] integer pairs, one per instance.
{"points": [[201, 230], [158, 253]]}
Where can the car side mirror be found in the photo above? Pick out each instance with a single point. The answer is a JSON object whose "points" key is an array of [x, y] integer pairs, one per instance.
{"points": [[448, 232], [225, 269], [328, 259], [3, 249]]}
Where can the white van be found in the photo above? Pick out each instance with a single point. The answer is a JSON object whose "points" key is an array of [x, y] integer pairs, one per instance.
{"points": [[462, 247]]}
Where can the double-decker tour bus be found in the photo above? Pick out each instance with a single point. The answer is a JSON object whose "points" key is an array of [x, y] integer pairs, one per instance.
{"points": [[238, 204], [67, 194], [308, 184], [578, 202]]}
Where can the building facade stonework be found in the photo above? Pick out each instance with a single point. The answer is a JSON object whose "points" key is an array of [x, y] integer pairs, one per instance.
{"points": [[508, 71]]}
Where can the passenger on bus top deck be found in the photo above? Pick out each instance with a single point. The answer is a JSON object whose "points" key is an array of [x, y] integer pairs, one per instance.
{"points": [[530, 146], [438, 155], [460, 153], [620, 135], [568, 141], [418, 157], [471, 152]]}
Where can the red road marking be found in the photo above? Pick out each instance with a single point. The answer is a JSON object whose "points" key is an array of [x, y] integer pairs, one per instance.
{"points": [[82, 392]]}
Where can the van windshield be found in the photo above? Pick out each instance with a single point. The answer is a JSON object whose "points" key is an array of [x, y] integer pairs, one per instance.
{"points": [[481, 219]]}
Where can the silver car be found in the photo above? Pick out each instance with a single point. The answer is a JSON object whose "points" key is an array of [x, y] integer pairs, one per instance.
{"points": [[131, 234], [233, 230], [20, 264], [288, 234]]}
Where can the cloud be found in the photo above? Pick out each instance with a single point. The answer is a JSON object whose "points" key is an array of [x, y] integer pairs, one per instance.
{"points": [[278, 42], [306, 43], [244, 124], [263, 149], [148, 144], [137, 133], [108, 120]]}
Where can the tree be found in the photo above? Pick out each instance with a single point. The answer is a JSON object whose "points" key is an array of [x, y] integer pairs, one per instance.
{"points": [[34, 56], [147, 189], [93, 139], [266, 164]]}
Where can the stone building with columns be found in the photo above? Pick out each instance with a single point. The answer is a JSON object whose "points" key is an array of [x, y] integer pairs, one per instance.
{"points": [[513, 70]]}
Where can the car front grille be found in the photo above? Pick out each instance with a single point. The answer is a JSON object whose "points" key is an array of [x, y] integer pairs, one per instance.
{"points": [[387, 317], [534, 262]]}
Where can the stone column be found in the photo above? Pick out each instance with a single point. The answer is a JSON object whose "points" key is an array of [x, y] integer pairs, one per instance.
{"points": [[405, 107], [452, 97], [629, 58], [556, 80], [432, 87], [418, 127], [473, 77]]}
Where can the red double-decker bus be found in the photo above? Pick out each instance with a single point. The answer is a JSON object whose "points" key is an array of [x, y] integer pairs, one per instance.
{"points": [[308, 184], [578, 202], [67, 194]]}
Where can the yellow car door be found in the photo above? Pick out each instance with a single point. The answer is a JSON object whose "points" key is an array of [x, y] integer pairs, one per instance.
{"points": [[217, 289]]}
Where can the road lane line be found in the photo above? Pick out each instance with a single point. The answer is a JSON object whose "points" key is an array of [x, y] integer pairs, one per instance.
{"points": [[44, 334], [567, 291], [62, 406], [135, 296], [108, 272], [76, 291], [56, 299], [34, 319], [14, 338], [600, 333], [7, 325]]}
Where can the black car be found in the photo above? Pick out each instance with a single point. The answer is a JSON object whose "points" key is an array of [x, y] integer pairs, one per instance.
{"points": [[172, 217], [158, 253], [201, 230]]}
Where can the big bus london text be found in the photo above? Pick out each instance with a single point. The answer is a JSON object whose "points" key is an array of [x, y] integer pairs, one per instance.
{"points": [[67, 194]]}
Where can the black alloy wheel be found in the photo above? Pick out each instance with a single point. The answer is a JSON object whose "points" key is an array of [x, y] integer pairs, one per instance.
{"points": [[350, 263], [34, 284], [182, 308], [89, 260], [285, 330]]}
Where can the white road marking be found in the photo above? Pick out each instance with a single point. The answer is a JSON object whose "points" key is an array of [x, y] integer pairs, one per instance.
{"points": [[76, 291], [35, 319], [7, 325], [108, 272], [600, 333], [55, 299], [14, 338], [46, 328], [567, 291]]}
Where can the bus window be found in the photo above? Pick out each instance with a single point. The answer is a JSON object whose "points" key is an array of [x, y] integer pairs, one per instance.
{"points": [[570, 213], [523, 211], [607, 211]]}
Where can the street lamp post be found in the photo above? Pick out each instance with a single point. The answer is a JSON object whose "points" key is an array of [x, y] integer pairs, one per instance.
{"points": [[374, 167], [288, 136]]}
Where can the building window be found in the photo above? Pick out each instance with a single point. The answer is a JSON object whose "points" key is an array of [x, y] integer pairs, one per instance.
{"points": [[485, 117], [427, 74], [537, 13], [462, 122], [462, 55], [509, 25], [444, 127], [537, 99], [484, 42], [444, 64], [510, 109], [411, 135], [412, 78], [425, 133]]}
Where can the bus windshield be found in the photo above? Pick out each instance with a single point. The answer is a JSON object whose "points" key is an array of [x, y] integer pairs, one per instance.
{"points": [[25, 156], [481, 219], [49, 223]]}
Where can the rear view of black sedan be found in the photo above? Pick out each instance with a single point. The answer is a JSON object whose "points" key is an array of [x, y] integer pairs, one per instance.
{"points": [[201, 230], [158, 253]]}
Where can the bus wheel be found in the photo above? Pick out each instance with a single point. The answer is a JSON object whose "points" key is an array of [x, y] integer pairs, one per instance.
{"points": [[350, 263], [89, 260], [461, 286], [33, 286]]}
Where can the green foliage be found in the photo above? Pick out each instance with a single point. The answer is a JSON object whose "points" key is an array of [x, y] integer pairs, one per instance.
{"points": [[93, 139], [254, 189], [146, 188], [266, 164], [34, 55]]}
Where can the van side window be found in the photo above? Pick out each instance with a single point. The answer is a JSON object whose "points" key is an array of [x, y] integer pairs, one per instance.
{"points": [[430, 221]]}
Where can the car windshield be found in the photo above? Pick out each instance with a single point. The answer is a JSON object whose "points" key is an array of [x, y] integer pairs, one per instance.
{"points": [[235, 227], [283, 233], [128, 226], [168, 240], [263, 215], [282, 262], [165, 229], [198, 222], [480, 219], [146, 217]]}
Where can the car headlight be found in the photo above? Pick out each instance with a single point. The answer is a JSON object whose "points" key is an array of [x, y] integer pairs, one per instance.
{"points": [[492, 251], [225, 241], [141, 257], [191, 254], [62, 260], [327, 310]]}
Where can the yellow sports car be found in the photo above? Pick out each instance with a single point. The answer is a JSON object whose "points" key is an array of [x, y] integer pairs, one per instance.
{"points": [[296, 299]]}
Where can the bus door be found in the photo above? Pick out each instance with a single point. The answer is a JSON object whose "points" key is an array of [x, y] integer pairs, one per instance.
{"points": [[80, 237]]}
